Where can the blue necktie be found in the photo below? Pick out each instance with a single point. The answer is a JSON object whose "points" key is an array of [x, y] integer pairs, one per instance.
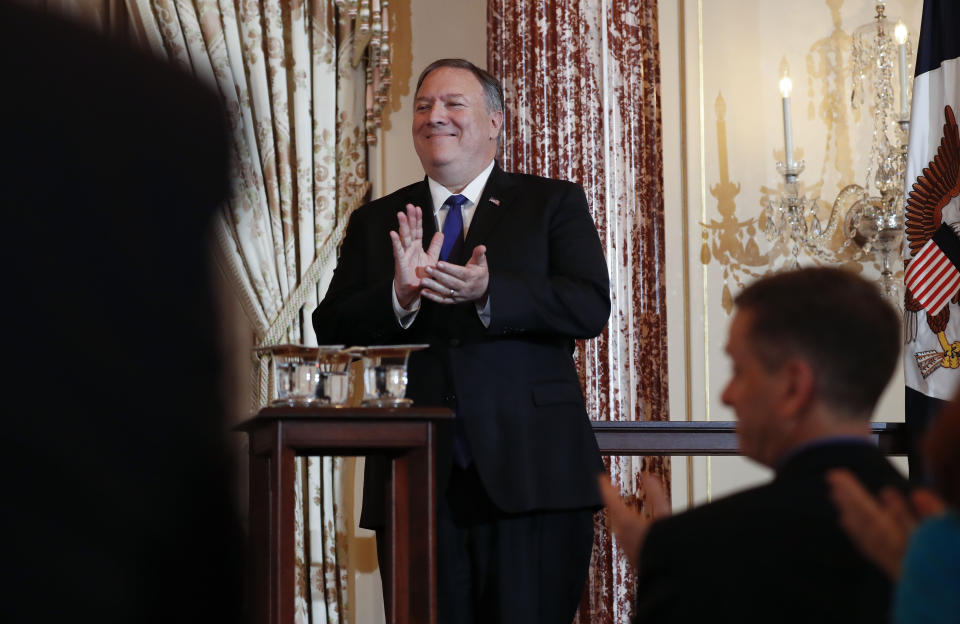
{"points": [[452, 244], [453, 228]]}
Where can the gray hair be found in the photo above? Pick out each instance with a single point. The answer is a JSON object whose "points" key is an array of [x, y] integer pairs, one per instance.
{"points": [[491, 86]]}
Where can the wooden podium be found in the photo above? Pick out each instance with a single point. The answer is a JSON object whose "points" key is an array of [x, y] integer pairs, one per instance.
{"points": [[407, 437]]}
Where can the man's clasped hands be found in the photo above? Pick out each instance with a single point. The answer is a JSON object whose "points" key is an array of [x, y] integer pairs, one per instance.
{"points": [[419, 272]]}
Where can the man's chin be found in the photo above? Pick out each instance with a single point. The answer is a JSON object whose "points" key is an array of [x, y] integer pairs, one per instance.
{"points": [[438, 167], [748, 449]]}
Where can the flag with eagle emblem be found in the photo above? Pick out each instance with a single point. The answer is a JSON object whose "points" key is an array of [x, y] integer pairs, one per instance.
{"points": [[932, 278], [932, 219]]}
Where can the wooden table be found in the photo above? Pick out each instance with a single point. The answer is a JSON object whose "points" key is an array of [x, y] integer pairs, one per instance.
{"points": [[407, 437]]}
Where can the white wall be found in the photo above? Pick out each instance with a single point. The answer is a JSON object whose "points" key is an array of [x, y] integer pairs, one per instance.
{"points": [[722, 128]]}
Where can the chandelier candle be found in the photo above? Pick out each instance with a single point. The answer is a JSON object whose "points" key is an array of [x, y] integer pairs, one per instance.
{"points": [[900, 33], [785, 87]]}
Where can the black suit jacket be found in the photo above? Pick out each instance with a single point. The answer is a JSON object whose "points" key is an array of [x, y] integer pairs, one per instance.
{"points": [[513, 385], [774, 553]]}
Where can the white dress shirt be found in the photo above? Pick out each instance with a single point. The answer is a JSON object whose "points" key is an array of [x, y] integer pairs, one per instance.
{"points": [[439, 195]]}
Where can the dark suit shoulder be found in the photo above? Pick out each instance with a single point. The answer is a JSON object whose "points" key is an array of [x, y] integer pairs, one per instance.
{"points": [[781, 539], [529, 180], [400, 196], [799, 489], [727, 514], [864, 460], [388, 206]]}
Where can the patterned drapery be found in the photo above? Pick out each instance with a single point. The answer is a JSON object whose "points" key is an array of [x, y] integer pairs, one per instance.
{"points": [[582, 86], [298, 108], [303, 83]]}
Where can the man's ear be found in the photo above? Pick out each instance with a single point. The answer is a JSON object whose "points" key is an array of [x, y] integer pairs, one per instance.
{"points": [[797, 387], [496, 121]]}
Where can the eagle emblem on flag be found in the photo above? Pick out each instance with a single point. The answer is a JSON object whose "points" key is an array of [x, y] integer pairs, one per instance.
{"points": [[932, 278]]}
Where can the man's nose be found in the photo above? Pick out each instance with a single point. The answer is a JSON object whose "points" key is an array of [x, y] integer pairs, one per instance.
{"points": [[437, 113], [725, 396]]}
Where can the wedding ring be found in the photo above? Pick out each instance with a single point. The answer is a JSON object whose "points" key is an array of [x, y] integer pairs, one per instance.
{"points": [[452, 293]]}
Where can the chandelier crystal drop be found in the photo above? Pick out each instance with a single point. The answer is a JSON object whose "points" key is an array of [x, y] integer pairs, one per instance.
{"points": [[871, 215]]}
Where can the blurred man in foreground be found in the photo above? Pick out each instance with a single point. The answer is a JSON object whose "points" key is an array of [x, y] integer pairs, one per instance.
{"points": [[118, 502], [811, 351]]}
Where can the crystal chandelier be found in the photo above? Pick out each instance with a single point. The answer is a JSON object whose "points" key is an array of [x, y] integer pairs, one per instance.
{"points": [[871, 216]]}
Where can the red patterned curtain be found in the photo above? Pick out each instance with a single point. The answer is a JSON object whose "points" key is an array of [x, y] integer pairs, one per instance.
{"points": [[582, 86]]}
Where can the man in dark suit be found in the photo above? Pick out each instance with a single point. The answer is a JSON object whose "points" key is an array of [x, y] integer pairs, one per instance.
{"points": [[498, 273], [812, 351]]}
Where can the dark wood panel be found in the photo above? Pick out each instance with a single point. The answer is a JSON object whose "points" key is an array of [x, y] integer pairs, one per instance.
{"points": [[291, 414], [704, 438], [341, 436]]}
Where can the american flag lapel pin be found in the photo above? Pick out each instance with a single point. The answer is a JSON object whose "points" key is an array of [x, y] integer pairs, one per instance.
{"points": [[494, 201]]}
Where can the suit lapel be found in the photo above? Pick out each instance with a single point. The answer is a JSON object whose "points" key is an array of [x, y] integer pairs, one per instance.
{"points": [[497, 196]]}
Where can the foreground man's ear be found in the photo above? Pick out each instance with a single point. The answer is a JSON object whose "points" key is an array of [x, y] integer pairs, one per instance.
{"points": [[798, 387]]}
